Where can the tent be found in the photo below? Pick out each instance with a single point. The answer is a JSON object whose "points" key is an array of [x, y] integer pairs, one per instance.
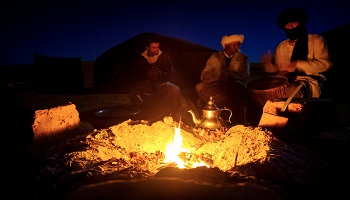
{"points": [[188, 59], [337, 77], [58, 74]]}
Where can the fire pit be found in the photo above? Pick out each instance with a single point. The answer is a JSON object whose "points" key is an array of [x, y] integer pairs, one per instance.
{"points": [[162, 140], [134, 154]]}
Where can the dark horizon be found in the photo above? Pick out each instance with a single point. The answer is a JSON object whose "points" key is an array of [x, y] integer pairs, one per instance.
{"points": [[68, 29]]}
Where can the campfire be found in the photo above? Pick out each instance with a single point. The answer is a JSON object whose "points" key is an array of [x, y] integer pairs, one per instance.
{"points": [[135, 150], [153, 147], [182, 157]]}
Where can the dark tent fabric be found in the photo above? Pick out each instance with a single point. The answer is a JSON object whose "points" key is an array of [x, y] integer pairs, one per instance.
{"points": [[337, 77], [57, 74], [188, 59]]}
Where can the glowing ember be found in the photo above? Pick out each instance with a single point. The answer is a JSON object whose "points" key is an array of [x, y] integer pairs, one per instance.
{"points": [[174, 150]]}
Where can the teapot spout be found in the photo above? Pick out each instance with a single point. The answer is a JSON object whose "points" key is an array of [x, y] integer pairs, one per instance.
{"points": [[194, 118]]}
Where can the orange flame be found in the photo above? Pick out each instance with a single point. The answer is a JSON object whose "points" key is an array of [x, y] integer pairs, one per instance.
{"points": [[173, 150]]}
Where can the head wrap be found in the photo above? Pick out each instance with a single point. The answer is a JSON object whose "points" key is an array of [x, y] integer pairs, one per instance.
{"points": [[232, 38], [292, 15], [298, 33]]}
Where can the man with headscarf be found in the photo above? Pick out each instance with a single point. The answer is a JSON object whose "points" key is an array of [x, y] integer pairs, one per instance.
{"points": [[224, 77], [302, 57]]}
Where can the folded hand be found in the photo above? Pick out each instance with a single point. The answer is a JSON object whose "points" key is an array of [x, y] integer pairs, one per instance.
{"points": [[289, 67]]}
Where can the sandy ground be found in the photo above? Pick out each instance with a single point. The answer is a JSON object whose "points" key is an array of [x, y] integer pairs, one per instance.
{"points": [[21, 101]]}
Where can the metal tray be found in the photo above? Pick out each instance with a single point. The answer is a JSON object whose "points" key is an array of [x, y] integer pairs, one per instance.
{"points": [[115, 112]]}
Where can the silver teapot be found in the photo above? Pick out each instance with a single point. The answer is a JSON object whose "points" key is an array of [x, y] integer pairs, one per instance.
{"points": [[211, 116]]}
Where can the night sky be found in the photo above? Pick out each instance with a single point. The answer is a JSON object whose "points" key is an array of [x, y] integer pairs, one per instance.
{"points": [[86, 30]]}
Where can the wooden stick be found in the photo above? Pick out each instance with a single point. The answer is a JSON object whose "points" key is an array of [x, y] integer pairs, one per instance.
{"points": [[284, 107]]}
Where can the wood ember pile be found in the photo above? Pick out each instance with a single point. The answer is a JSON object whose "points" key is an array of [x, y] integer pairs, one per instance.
{"points": [[134, 150], [237, 146]]}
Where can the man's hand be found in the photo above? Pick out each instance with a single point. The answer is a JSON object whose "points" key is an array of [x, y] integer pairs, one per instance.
{"points": [[289, 67], [266, 57], [266, 61]]}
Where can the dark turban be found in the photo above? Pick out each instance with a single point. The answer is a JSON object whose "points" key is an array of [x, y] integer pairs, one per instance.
{"points": [[292, 15]]}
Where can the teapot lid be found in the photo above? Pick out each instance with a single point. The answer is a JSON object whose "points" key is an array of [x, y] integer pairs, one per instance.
{"points": [[210, 105]]}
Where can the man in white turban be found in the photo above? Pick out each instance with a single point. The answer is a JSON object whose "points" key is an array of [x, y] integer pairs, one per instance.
{"points": [[230, 39], [224, 77]]}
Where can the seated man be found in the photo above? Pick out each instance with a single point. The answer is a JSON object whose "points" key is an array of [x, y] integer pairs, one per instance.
{"points": [[152, 71], [224, 77], [302, 57]]}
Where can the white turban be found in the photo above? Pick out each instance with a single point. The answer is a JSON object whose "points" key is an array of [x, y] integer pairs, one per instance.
{"points": [[232, 38]]}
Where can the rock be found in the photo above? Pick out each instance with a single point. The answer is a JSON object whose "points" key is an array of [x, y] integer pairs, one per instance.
{"points": [[55, 121]]}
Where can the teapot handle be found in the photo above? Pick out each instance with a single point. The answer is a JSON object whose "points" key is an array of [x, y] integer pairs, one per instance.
{"points": [[229, 119]]}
